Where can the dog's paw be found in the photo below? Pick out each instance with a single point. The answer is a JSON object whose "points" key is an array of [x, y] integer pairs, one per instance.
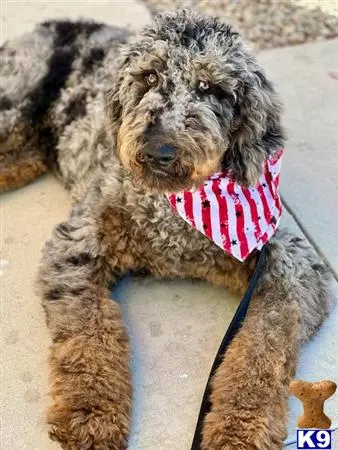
{"points": [[87, 430], [91, 392], [226, 431]]}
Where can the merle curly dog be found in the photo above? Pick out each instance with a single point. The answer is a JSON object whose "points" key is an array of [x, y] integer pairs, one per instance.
{"points": [[70, 101]]}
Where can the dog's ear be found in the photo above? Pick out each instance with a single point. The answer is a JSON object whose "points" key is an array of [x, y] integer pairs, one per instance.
{"points": [[256, 130], [113, 96]]}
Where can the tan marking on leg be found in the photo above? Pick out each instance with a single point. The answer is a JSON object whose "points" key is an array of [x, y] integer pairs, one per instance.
{"points": [[21, 173], [21, 159], [91, 385]]}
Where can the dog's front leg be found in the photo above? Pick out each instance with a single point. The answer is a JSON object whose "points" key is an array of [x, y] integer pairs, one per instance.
{"points": [[89, 361], [250, 388]]}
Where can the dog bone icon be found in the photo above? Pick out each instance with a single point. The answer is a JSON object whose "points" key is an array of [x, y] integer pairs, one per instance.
{"points": [[313, 396]]}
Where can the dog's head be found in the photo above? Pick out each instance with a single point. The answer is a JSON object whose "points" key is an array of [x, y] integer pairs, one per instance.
{"points": [[188, 100]]}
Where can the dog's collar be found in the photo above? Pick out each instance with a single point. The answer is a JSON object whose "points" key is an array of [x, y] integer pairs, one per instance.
{"points": [[238, 219]]}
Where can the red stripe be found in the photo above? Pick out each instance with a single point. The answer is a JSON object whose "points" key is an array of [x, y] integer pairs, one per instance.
{"points": [[278, 200], [240, 226], [269, 180], [273, 188], [266, 209], [206, 216], [264, 238], [172, 201], [188, 207], [223, 214]]}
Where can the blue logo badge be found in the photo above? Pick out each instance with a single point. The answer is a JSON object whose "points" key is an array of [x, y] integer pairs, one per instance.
{"points": [[314, 439]]}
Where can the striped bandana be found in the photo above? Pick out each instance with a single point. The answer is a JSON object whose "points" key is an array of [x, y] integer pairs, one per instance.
{"points": [[238, 219]]}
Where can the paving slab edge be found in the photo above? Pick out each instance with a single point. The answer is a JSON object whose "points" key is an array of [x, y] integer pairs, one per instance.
{"points": [[309, 237]]}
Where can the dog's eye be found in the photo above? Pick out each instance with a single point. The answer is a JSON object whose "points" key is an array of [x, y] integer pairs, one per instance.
{"points": [[203, 86], [152, 79]]}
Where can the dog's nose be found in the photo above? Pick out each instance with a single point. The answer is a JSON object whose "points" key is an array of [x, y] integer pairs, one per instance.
{"points": [[163, 155]]}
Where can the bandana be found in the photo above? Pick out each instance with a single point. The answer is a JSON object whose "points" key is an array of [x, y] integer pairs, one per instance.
{"points": [[238, 219]]}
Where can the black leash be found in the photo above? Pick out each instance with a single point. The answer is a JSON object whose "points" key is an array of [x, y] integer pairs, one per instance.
{"points": [[234, 326]]}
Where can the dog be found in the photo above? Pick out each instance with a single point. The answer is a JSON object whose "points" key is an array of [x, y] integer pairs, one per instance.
{"points": [[122, 121]]}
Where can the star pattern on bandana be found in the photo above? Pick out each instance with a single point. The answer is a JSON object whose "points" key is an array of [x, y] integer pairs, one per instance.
{"points": [[238, 219]]}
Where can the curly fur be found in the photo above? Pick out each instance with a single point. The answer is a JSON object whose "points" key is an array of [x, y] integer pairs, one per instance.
{"points": [[71, 101]]}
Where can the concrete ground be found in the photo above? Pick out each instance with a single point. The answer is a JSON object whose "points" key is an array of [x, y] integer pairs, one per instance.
{"points": [[176, 327], [307, 78]]}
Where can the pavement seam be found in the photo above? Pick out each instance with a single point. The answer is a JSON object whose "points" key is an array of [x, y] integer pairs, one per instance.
{"points": [[309, 237]]}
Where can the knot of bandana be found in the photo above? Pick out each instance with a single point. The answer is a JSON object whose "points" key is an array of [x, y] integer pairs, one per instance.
{"points": [[238, 219]]}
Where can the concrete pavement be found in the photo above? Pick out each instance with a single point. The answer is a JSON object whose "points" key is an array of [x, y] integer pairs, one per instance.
{"points": [[17, 16], [307, 79], [175, 327]]}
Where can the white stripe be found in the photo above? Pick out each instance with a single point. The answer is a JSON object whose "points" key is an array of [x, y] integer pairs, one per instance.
{"points": [[260, 209], [214, 214], [275, 168], [197, 211], [180, 206]]}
